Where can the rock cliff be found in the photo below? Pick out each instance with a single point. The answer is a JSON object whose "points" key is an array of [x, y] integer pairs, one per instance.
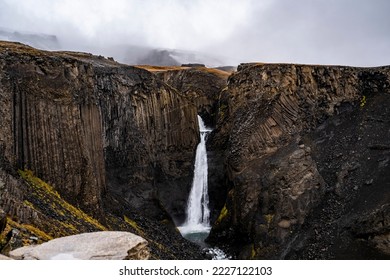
{"points": [[204, 87], [105, 136], [295, 139], [84, 124], [201, 85]]}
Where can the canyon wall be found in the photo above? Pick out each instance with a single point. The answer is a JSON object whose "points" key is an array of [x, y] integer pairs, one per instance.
{"points": [[203, 86], [89, 126], [288, 135], [106, 137]]}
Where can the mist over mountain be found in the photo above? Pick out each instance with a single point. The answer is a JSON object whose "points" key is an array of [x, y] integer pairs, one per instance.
{"points": [[39, 41], [148, 56], [345, 32], [128, 54]]}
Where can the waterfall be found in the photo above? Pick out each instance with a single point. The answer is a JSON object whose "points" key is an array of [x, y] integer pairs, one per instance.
{"points": [[198, 212], [197, 224]]}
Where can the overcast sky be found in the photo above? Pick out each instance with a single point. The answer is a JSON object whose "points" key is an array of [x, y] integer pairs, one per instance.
{"points": [[348, 32]]}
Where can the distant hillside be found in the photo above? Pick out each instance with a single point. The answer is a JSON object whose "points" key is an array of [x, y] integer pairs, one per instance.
{"points": [[40, 41], [166, 57], [126, 53]]}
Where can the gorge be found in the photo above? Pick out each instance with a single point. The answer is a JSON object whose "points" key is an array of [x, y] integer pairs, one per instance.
{"points": [[298, 158]]}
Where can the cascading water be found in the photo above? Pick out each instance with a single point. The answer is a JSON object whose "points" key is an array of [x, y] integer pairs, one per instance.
{"points": [[197, 224], [198, 212]]}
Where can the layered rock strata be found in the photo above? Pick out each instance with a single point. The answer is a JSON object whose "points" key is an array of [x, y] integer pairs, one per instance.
{"points": [[86, 131], [201, 85], [278, 170], [204, 87], [87, 125]]}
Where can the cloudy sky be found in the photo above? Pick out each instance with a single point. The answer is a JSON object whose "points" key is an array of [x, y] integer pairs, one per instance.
{"points": [[348, 32]]}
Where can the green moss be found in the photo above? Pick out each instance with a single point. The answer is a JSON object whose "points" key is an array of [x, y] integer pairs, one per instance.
{"points": [[134, 225], [268, 218], [222, 111], [28, 230], [29, 204], [222, 214], [3, 234], [363, 101], [28, 175], [71, 228], [253, 251], [37, 232], [47, 194]]}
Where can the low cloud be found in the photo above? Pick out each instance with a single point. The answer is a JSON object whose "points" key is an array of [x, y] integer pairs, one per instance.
{"points": [[301, 31]]}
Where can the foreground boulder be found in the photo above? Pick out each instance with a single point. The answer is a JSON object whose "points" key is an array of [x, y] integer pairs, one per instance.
{"points": [[105, 245], [2, 257]]}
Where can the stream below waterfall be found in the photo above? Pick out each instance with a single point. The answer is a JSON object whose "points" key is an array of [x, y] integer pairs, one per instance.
{"points": [[197, 227]]}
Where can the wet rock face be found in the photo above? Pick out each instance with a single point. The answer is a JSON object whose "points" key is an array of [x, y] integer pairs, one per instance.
{"points": [[91, 127], [276, 175]]}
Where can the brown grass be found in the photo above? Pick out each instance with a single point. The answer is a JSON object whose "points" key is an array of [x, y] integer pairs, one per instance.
{"points": [[217, 72], [153, 68], [19, 48]]}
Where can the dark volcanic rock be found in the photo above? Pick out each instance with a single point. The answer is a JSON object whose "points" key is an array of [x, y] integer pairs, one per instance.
{"points": [[351, 222], [3, 220], [201, 85], [281, 174], [204, 87], [89, 126], [93, 130]]}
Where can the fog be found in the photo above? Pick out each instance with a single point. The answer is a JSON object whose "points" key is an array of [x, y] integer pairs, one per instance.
{"points": [[347, 32]]}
